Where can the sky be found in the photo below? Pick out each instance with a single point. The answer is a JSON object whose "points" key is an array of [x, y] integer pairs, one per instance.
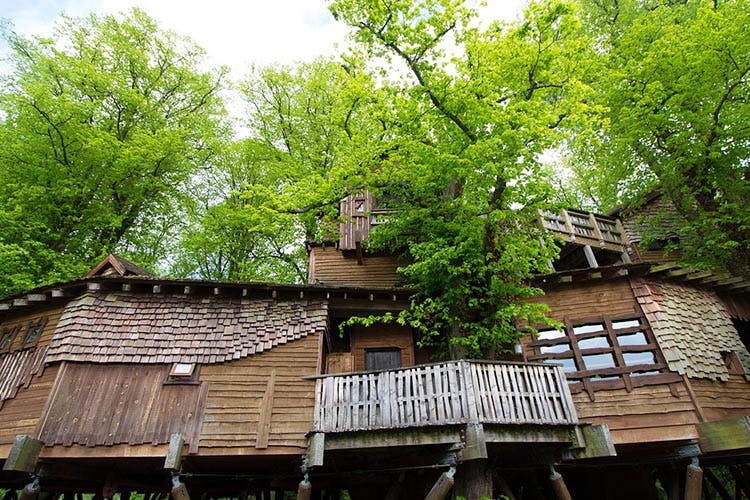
{"points": [[236, 33]]}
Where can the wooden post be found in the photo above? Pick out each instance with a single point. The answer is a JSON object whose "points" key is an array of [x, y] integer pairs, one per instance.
{"points": [[473, 480], [23, 455], [179, 490], [30, 491], [304, 490], [590, 257], [558, 485], [693, 481], [504, 488], [442, 486]]}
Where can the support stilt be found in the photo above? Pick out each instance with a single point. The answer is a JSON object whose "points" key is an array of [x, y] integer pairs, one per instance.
{"points": [[693, 481], [179, 490], [558, 485], [304, 490], [442, 486], [30, 491]]}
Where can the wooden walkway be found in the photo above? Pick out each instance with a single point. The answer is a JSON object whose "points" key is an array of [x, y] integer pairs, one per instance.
{"points": [[455, 392]]}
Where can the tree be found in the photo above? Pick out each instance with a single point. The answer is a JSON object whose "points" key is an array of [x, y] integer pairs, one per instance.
{"points": [[675, 82], [465, 125], [308, 127], [101, 126]]}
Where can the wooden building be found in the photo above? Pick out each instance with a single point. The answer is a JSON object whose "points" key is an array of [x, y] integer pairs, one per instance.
{"points": [[124, 382]]}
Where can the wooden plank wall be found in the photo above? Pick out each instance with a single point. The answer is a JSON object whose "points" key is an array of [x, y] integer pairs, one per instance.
{"points": [[239, 390], [21, 414], [329, 266], [381, 337], [613, 298], [646, 414], [720, 400], [109, 404], [356, 225], [24, 318]]}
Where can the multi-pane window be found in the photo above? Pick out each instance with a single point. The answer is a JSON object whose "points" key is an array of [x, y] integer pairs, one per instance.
{"points": [[34, 332], [604, 353]]}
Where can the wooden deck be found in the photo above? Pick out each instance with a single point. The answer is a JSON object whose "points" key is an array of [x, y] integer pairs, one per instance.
{"points": [[455, 392]]}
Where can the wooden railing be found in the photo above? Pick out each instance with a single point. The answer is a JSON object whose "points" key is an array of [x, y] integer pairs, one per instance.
{"points": [[454, 392], [587, 227]]}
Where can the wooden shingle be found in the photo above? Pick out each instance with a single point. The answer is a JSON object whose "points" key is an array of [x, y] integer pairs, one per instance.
{"points": [[123, 327]]}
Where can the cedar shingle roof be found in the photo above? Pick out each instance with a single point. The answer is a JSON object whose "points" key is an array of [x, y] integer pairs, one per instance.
{"points": [[692, 327], [150, 328]]}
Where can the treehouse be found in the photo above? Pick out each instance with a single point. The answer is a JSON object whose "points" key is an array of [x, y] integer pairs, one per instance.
{"points": [[120, 382]]}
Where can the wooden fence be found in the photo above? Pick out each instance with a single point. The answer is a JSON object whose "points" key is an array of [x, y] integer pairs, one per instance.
{"points": [[454, 392]]}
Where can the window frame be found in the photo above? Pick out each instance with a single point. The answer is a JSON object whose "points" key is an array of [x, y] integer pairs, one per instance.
{"points": [[34, 325], [618, 376], [172, 378], [8, 334]]}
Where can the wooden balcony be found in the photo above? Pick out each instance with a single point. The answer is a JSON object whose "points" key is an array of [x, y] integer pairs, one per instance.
{"points": [[455, 392], [587, 229]]}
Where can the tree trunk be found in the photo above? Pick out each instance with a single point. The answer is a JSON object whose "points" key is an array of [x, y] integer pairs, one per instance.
{"points": [[473, 480]]}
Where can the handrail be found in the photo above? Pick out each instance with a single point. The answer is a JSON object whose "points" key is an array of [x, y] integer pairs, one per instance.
{"points": [[454, 392]]}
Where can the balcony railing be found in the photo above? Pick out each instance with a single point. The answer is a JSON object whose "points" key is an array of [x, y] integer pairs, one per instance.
{"points": [[586, 228], [455, 392]]}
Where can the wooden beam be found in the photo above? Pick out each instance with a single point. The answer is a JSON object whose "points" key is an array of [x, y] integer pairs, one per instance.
{"points": [[664, 267], [174, 452], [729, 434], [316, 445], [392, 438], [530, 434], [475, 443], [718, 486], [266, 410], [597, 442], [23, 455], [442, 486]]}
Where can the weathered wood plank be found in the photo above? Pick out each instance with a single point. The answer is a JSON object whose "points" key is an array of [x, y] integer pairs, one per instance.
{"points": [[454, 392]]}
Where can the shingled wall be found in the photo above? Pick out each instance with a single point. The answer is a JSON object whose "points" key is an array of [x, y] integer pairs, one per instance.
{"points": [[692, 327]]}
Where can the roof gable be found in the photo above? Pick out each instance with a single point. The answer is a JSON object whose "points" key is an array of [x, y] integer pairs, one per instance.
{"points": [[115, 265]]}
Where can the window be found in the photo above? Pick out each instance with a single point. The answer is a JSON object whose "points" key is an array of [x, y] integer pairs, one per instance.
{"points": [[34, 332], [382, 359], [604, 353], [6, 338], [183, 373]]}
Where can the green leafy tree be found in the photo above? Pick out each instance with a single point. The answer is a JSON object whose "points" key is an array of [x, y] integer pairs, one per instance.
{"points": [[308, 125], [675, 81], [469, 113], [101, 126]]}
